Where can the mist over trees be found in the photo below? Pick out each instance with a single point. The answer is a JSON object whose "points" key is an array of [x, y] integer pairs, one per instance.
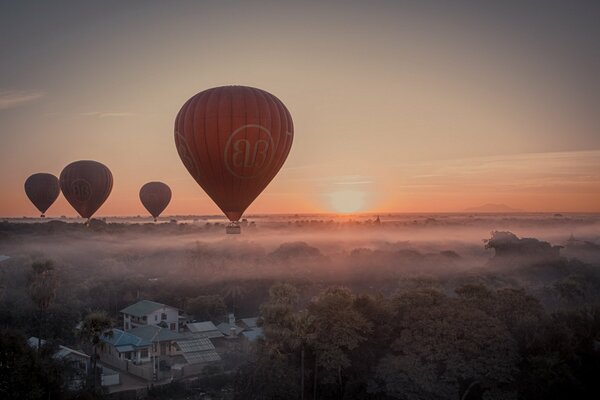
{"points": [[421, 308]]}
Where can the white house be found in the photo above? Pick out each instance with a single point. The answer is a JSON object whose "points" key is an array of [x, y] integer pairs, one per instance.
{"points": [[146, 312]]}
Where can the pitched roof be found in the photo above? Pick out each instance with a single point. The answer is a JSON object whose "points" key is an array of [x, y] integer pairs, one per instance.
{"points": [[143, 307], [153, 333], [204, 326], [253, 334], [198, 350], [121, 338], [250, 322]]}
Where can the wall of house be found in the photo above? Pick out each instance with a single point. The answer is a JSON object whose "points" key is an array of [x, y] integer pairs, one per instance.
{"points": [[154, 318], [172, 317]]}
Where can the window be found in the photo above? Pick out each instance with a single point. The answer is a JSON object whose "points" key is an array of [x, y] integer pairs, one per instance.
{"points": [[163, 316], [156, 317], [144, 318], [144, 353], [126, 325], [172, 326]]}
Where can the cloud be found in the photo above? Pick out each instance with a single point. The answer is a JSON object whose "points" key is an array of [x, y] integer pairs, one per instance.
{"points": [[15, 98], [100, 114]]}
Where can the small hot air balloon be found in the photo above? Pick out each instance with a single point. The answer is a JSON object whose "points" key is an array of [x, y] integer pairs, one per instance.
{"points": [[155, 196], [86, 185], [233, 140], [43, 190]]}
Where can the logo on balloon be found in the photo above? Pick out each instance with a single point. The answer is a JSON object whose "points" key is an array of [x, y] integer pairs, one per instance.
{"points": [[249, 151], [81, 189]]}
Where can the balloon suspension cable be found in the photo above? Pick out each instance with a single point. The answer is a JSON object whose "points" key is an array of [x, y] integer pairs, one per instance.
{"points": [[154, 219], [87, 223]]}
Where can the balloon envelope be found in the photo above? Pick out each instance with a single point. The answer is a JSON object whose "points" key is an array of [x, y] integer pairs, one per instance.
{"points": [[86, 185], [233, 140], [43, 190], [155, 196]]}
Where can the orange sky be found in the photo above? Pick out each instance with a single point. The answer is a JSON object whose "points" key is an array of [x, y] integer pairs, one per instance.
{"points": [[395, 109]]}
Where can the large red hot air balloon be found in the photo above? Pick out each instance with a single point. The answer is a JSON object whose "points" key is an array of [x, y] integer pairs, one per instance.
{"points": [[155, 196], [43, 190], [233, 140], [86, 186]]}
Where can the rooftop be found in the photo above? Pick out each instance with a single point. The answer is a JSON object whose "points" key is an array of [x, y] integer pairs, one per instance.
{"points": [[124, 339], [153, 333], [143, 307]]}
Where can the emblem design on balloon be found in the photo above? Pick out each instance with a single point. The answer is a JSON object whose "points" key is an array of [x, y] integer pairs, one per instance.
{"points": [[86, 185], [249, 155], [81, 189], [233, 140]]}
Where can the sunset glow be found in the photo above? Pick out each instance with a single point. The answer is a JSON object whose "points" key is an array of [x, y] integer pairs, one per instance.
{"points": [[471, 110]]}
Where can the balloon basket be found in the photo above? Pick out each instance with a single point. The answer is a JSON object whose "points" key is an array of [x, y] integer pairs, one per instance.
{"points": [[233, 229]]}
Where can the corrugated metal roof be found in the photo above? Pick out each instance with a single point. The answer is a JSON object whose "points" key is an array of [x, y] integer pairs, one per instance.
{"points": [[198, 358], [199, 350], [199, 344]]}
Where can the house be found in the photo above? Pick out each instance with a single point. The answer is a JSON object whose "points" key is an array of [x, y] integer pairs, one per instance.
{"points": [[146, 312], [79, 363], [151, 351], [204, 329], [126, 346]]}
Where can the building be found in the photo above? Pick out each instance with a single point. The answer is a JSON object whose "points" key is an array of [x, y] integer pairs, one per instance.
{"points": [[146, 312], [126, 346], [153, 352], [80, 366], [205, 329]]}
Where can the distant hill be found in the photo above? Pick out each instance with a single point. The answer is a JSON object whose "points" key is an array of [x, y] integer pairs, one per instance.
{"points": [[492, 208]]}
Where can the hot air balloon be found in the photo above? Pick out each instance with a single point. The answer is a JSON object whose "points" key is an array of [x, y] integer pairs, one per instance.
{"points": [[86, 186], [155, 196], [233, 140], [43, 190]]}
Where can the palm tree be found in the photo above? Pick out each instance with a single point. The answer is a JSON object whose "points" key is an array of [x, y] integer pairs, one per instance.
{"points": [[302, 338], [95, 325], [42, 290]]}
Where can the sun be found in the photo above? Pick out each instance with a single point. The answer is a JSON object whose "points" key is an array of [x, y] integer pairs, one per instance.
{"points": [[347, 201]]}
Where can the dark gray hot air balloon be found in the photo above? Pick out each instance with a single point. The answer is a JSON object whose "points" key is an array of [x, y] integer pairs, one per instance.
{"points": [[155, 196], [86, 185], [43, 190]]}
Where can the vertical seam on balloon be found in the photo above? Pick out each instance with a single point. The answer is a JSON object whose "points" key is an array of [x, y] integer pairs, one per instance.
{"points": [[263, 179]]}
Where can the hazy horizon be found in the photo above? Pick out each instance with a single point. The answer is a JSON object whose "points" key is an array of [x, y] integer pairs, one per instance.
{"points": [[411, 107]]}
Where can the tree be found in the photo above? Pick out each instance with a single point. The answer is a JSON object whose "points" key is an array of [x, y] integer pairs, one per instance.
{"points": [[209, 307], [26, 373], [444, 349], [95, 325], [42, 291], [338, 329]]}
